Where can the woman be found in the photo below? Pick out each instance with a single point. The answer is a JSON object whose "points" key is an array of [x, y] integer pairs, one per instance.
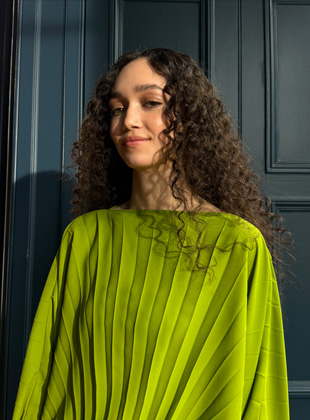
{"points": [[162, 302]]}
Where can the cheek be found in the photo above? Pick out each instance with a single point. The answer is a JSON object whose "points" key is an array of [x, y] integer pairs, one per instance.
{"points": [[159, 123]]}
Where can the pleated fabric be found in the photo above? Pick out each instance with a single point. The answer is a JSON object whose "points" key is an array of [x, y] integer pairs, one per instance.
{"points": [[130, 326]]}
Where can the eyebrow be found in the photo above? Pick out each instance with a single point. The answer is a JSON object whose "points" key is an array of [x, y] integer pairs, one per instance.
{"points": [[139, 88]]}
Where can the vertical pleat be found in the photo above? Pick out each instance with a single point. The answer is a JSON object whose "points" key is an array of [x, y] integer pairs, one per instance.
{"points": [[100, 332]]}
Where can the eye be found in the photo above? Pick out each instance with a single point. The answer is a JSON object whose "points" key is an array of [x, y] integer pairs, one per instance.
{"points": [[152, 104], [117, 112]]}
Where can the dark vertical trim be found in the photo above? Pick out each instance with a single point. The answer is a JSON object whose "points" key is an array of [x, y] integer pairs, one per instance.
{"points": [[203, 34], [116, 30], [117, 38], [111, 32], [239, 5], [211, 40], [8, 32], [82, 61], [272, 93], [11, 210], [267, 82], [33, 169], [63, 122]]}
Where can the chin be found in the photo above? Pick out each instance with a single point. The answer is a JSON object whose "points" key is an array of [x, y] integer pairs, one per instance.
{"points": [[141, 165], [139, 168]]}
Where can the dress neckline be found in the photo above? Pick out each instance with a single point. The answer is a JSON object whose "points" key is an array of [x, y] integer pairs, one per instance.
{"points": [[114, 208]]}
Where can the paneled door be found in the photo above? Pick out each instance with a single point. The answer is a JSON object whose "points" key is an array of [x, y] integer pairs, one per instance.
{"points": [[257, 53]]}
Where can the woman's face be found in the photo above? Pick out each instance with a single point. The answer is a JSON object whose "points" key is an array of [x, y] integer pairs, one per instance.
{"points": [[137, 121]]}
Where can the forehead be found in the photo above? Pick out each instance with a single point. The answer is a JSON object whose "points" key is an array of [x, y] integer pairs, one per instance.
{"points": [[137, 72]]}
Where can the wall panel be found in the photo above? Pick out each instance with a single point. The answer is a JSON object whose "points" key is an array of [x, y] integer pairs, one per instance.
{"points": [[176, 24], [288, 30], [226, 44], [295, 304]]}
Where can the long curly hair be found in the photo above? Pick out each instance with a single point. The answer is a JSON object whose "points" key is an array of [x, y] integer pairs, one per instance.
{"points": [[205, 150]]}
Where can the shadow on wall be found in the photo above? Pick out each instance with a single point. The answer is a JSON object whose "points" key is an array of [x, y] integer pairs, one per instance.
{"points": [[41, 212]]}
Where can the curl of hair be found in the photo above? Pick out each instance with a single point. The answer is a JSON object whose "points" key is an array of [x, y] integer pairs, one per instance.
{"points": [[203, 146]]}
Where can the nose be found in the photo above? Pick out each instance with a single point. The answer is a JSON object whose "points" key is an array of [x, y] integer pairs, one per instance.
{"points": [[132, 117]]}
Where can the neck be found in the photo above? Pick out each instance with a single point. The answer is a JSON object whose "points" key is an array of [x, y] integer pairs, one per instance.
{"points": [[151, 190]]}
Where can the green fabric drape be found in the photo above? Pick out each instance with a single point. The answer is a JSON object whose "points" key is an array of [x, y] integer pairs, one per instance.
{"points": [[130, 327]]}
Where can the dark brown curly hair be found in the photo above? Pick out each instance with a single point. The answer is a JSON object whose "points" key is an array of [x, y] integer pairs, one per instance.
{"points": [[203, 146]]}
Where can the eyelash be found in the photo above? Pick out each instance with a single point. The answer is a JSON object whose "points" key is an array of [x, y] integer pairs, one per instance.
{"points": [[154, 104], [115, 113], [118, 111]]}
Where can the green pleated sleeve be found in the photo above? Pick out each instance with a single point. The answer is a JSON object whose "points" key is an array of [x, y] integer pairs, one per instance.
{"points": [[129, 327]]}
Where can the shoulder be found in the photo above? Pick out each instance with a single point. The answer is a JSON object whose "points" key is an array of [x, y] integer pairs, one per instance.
{"points": [[87, 222], [84, 230], [231, 227], [246, 245], [250, 238], [241, 227], [235, 234]]}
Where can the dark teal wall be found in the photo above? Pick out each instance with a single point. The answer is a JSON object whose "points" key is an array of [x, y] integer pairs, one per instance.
{"points": [[257, 53]]}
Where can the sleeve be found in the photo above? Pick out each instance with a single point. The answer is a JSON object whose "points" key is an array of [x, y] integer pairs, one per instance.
{"points": [[42, 341], [265, 386]]}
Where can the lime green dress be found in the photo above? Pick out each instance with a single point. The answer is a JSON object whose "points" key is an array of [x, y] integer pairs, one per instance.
{"points": [[130, 326]]}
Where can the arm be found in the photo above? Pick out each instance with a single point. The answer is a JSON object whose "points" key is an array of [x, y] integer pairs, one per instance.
{"points": [[265, 390]]}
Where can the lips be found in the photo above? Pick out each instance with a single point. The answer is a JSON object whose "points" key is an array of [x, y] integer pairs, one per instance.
{"points": [[134, 140]]}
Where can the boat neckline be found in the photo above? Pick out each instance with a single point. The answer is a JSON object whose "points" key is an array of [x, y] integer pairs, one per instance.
{"points": [[175, 211]]}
